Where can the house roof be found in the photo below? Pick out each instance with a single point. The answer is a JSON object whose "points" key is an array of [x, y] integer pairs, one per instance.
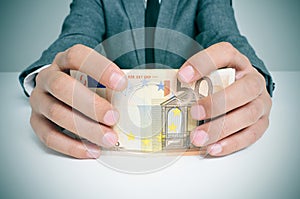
{"points": [[181, 99]]}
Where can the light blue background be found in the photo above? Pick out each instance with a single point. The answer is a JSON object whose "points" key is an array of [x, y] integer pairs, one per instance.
{"points": [[28, 27]]}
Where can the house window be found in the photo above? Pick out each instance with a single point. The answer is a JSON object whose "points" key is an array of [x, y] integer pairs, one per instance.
{"points": [[174, 121], [175, 128]]}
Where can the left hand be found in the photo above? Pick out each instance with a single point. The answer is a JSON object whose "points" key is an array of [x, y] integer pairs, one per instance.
{"points": [[245, 104]]}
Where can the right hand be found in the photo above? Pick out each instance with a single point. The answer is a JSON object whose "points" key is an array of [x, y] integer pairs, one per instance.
{"points": [[58, 100]]}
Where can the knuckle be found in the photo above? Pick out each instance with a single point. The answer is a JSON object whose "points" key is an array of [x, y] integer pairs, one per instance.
{"points": [[226, 45], [253, 136], [53, 111], [234, 145], [260, 80], [253, 112], [268, 104], [47, 139], [230, 52], [229, 48], [78, 46], [245, 59], [72, 54], [56, 85], [76, 151], [252, 86], [34, 100], [58, 57], [72, 150], [38, 78], [226, 129]]}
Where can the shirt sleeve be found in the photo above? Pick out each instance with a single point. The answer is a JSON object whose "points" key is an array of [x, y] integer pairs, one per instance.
{"points": [[84, 25], [29, 80], [216, 23]]}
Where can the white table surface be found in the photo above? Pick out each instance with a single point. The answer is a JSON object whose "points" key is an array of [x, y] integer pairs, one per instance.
{"points": [[267, 169]]}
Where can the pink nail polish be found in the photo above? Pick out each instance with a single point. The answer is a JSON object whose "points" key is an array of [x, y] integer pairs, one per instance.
{"points": [[111, 117], [117, 81], [109, 139], [198, 112], [199, 137], [186, 74], [239, 75], [93, 151], [215, 149]]}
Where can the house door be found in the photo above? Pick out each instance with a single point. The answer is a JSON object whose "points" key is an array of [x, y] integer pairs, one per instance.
{"points": [[175, 131]]}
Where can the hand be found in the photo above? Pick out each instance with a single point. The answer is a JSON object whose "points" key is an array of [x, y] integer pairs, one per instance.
{"points": [[59, 100], [245, 105]]}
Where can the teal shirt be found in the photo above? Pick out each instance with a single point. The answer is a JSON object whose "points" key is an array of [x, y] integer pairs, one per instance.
{"points": [[206, 22]]}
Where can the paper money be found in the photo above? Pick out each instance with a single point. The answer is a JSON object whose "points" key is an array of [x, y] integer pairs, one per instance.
{"points": [[155, 107]]}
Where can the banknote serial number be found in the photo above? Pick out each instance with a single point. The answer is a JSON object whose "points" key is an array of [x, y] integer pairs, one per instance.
{"points": [[139, 76]]}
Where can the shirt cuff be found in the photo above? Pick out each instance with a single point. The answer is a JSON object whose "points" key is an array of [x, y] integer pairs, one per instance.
{"points": [[29, 81]]}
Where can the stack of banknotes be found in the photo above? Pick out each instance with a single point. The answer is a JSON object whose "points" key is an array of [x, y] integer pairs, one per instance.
{"points": [[155, 107]]}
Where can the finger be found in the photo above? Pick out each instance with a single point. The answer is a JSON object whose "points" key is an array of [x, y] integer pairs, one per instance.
{"points": [[240, 140], [54, 139], [241, 92], [90, 62], [74, 121], [206, 61], [73, 93], [231, 123]]}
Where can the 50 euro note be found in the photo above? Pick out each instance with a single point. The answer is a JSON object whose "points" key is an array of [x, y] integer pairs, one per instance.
{"points": [[155, 107]]}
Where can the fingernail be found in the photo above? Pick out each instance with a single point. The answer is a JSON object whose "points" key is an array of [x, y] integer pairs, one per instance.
{"points": [[93, 151], [199, 137], [215, 149], [186, 74], [109, 139], [198, 112], [111, 117], [239, 75], [117, 81]]}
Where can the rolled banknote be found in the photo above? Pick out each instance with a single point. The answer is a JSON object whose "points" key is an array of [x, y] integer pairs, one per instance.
{"points": [[155, 107]]}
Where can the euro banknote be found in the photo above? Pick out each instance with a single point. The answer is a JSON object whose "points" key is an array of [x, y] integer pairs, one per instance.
{"points": [[155, 107]]}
